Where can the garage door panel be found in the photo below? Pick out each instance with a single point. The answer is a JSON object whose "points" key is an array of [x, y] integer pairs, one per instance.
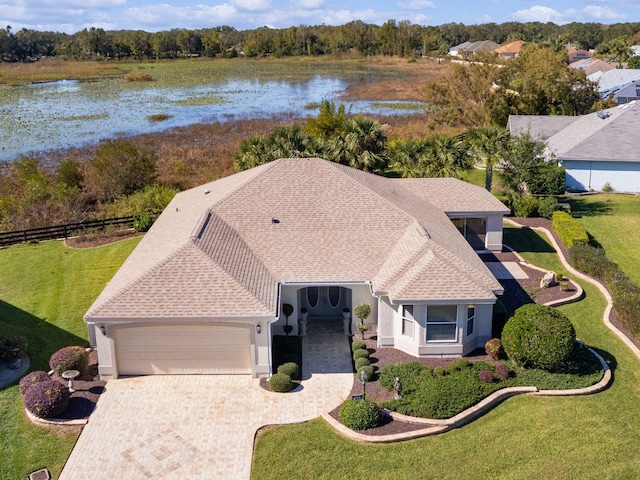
{"points": [[183, 349]]}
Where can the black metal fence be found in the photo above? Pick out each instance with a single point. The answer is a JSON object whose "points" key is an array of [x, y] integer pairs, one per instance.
{"points": [[62, 231]]}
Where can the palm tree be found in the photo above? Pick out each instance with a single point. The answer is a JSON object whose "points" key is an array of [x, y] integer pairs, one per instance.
{"points": [[361, 144], [447, 155], [489, 144]]}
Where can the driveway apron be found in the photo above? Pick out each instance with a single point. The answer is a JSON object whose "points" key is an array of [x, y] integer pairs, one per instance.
{"points": [[203, 426]]}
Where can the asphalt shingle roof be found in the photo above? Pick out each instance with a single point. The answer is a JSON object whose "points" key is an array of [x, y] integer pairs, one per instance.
{"points": [[220, 250]]}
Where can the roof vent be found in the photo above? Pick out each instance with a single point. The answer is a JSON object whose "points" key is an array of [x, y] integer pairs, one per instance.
{"points": [[207, 191], [275, 221], [602, 114]]}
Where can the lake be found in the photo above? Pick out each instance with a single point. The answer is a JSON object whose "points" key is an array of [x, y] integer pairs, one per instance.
{"points": [[45, 116]]}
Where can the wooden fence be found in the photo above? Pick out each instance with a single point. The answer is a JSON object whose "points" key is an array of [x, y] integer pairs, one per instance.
{"points": [[62, 231]]}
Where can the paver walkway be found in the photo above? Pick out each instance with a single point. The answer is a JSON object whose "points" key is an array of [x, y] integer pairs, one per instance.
{"points": [[195, 427]]}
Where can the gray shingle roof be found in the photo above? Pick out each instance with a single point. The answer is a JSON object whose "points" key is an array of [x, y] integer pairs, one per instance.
{"points": [[221, 249]]}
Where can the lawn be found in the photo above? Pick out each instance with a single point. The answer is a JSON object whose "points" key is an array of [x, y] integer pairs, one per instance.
{"points": [[45, 289], [524, 437]]}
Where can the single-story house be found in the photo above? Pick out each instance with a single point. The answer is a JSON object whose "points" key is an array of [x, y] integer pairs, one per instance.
{"points": [[510, 50], [204, 289], [593, 68], [596, 150], [469, 49], [621, 84]]}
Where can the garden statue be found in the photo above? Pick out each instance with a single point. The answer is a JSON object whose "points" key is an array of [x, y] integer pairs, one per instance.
{"points": [[397, 387]]}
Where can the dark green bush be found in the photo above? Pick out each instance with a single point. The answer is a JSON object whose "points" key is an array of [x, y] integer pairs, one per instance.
{"points": [[142, 222], [359, 414], [358, 345], [33, 378], [410, 373], [280, 382], [360, 353], [546, 206], [593, 261], [290, 368], [538, 337], [462, 363], [361, 362], [570, 231], [439, 371], [547, 179], [48, 399], [368, 370], [526, 207], [69, 358]]}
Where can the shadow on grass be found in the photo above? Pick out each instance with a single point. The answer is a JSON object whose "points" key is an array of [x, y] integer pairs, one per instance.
{"points": [[608, 357], [43, 338], [526, 240], [582, 208]]}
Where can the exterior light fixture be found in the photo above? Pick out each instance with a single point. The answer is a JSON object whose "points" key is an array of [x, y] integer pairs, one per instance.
{"points": [[363, 377], [258, 329], [103, 330]]}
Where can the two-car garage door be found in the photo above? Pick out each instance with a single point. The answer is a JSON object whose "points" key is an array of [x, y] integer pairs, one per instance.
{"points": [[183, 349]]}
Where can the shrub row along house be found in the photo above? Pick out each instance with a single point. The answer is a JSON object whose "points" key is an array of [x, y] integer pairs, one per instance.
{"points": [[595, 150], [203, 291]]}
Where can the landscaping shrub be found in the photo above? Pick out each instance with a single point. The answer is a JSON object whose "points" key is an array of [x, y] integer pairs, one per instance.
{"points": [[526, 207], [31, 379], [462, 363], [485, 376], [48, 399], [142, 222], [593, 261], [360, 353], [502, 371], [12, 348], [499, 317], [538, 337], [359, 414], [69, 358], [570, 231], [280, 382], [361, 362], [368, 369], [494, 349], [546, 206], [290, 368], [439, 371], [290, 357], [410, 373], [358, 345]]}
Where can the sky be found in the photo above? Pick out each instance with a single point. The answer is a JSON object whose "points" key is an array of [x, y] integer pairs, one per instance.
{"points": [[70, 16]]}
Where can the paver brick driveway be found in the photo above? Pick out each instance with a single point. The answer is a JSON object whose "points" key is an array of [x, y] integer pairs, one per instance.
{"points": [[196, 427]]}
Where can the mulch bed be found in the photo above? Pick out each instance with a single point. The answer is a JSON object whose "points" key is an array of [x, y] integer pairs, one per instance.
{"points": [[100, 238]]}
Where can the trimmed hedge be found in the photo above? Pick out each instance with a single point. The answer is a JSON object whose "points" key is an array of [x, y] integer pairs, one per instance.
{"points": [[537, 336], [280, 382], [31, 379], [361, 362], [359, 414], [368, 369], [570, 231], [69, 358], [358, 345], [290, 368], [360, 353], [48, 399]]}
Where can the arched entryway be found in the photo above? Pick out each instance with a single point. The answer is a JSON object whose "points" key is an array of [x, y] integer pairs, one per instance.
{"points": [[326, 301]]}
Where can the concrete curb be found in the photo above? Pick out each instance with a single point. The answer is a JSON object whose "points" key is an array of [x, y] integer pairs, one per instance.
{"points": [[55, 421]]}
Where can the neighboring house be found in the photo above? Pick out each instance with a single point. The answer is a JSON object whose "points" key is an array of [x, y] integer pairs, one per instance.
{"points": [[595, 150], [593, 68], [469, 49], [623, 85], [635, 49], [576, 54], [203, 291], [510, 50]]}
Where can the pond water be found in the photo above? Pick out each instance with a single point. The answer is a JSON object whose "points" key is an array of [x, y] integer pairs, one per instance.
{"points": [[45, 116]]}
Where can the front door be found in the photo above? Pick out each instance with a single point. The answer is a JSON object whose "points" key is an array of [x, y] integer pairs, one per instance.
{"points": [[325, 301]]}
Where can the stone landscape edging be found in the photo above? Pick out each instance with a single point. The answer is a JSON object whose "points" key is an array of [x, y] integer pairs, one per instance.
{"points": [[55, 421]]}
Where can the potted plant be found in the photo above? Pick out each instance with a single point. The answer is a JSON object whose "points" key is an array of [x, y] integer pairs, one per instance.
{"points": [[287, 310], [362, 311]]}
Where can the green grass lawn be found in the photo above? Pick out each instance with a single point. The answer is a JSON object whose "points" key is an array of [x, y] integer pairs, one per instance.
{"points": [[45, 290], [592, 436], [614, 222]]}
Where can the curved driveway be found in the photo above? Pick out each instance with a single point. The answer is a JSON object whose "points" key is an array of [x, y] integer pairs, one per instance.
{"points": [[203, 426]]}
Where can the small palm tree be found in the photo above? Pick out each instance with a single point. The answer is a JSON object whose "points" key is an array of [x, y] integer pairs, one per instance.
{"points": [[489, 144]]}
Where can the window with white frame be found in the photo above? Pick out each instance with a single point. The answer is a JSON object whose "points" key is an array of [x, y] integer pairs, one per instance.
{"points": [[408, 322], [471, 314], [442, 323]]}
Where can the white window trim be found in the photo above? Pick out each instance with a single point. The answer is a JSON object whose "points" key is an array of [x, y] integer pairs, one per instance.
{"points": [[410, 319], [456, 329], [471, 319]]}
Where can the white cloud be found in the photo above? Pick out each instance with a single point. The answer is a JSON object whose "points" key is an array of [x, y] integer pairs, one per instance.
{"points": [[540, 13], [417, 5], [310, 4], [158, 17], [603, 13], [253, 5]]}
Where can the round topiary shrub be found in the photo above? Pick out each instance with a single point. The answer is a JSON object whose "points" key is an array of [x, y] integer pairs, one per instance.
{"points": [[537, 336], [368, 369], [31, 379], [359, 414], [502, 371], [361, 362], [69, 358], [290, 368], [485, 376], [494, 349], [358, 345], [280, 382], [48, 399], [360, 353]]}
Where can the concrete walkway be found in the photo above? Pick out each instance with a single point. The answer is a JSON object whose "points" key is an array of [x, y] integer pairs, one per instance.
{"points": [[191, 427]]}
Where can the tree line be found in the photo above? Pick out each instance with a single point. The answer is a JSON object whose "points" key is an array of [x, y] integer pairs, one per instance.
{"points": [[402, 38]]}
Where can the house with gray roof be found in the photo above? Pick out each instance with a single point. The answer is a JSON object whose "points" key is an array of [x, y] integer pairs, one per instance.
{"points": [[623, 85], [595, 150], [204, 289]]}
